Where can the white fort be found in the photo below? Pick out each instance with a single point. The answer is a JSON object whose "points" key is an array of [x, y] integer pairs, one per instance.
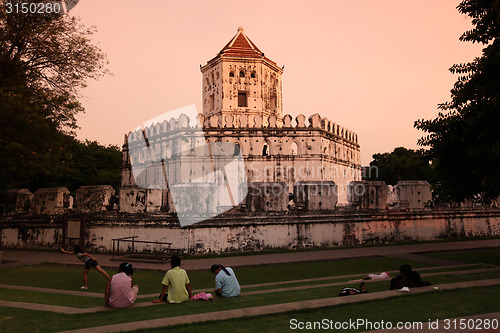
{"points": [[242, 105]]}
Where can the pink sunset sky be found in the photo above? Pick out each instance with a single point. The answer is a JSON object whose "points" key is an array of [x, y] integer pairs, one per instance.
{"points": [[373, 67]]}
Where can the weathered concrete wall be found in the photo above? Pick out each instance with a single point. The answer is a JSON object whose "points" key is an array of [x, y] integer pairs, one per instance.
{"points": [[236, 231], [31, 234], [90, 199], [267, 197], [19, 202], [368, 194], [51, 201], [139, 200], [314, 196], [413, 194]]}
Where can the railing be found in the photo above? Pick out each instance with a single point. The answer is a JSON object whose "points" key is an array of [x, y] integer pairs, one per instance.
{"points": [[116, 245]]}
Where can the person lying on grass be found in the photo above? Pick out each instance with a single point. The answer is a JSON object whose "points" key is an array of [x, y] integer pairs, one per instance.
{"points": [[89, 262], [226, 283], [407, 278], [120, 290], [176, 281]]}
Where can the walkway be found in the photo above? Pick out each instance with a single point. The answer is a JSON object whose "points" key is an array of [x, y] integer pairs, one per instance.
{"points": [[409, 252]]}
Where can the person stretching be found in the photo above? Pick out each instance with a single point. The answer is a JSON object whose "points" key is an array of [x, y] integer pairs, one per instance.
{"points": [[89, 261]]}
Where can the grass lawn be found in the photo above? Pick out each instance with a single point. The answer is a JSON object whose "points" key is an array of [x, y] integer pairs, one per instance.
{"points": [[487, 256], [69, 278], [37, 297], [411, 308]]}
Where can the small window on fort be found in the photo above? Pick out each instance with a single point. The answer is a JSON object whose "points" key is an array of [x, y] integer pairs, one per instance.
{"points": [[253, 75], [242, 99], [211, 103], [236, 149], [265, 150], [273, 102], [242, 74], [293, 149], [231, 74]]}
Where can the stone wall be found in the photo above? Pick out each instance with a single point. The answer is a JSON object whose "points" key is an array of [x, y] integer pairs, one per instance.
{"points": [[91, 199], [51, 201], [274, 150], [233, 232]]}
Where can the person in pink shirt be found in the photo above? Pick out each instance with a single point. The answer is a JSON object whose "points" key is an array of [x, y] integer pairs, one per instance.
{"points": [[120, 290]]}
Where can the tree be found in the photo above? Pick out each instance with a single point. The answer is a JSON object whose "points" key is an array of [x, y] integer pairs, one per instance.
{"points": [[401, 164], [464, 140], [45, 60]]}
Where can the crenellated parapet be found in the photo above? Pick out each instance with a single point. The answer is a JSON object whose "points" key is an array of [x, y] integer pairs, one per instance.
{"points": [[245, 123]]}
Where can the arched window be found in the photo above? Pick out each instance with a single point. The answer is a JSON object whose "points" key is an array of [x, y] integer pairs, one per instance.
{"points": [[265, 150], [237, 149], [253, 75], [242, 74], [231, 74], [294, 149]]}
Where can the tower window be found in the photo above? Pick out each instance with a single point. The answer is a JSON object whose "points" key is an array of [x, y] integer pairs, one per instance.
{"points": [[231, 74], [265, 150], [253, 75], [242, 99], [294, 149], [273, 102], [242, 74], [211, 102], [236, 149]]}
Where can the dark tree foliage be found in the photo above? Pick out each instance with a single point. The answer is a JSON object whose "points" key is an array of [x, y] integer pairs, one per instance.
{"points": [[45, 60], [401, 164], [464, 140]]}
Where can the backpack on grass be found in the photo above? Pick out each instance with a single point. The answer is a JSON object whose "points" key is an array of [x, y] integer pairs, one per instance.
{"points": [[346, 291]]}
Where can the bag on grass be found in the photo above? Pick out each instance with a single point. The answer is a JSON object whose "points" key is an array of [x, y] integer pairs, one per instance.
{"points": [[202, 297], [346, 291]]}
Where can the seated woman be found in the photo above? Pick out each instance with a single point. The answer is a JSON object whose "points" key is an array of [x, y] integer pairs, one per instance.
{"points": [[407, 278], [120, 290], [226, 283]]}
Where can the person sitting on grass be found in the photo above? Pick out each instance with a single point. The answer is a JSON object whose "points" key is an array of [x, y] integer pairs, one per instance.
{"points": [[176, 282], [120, 290], [89, 261], [226, 283], [407, 278]]}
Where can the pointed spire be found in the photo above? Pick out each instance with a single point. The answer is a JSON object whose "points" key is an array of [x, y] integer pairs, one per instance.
{"points": [[241, 46]]}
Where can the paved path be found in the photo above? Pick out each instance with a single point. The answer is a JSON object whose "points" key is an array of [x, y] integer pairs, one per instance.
{"points": [[274, 309], [35, 257]]}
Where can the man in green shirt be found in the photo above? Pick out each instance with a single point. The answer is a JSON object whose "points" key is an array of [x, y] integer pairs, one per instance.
{"points": [[177, 282]]}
